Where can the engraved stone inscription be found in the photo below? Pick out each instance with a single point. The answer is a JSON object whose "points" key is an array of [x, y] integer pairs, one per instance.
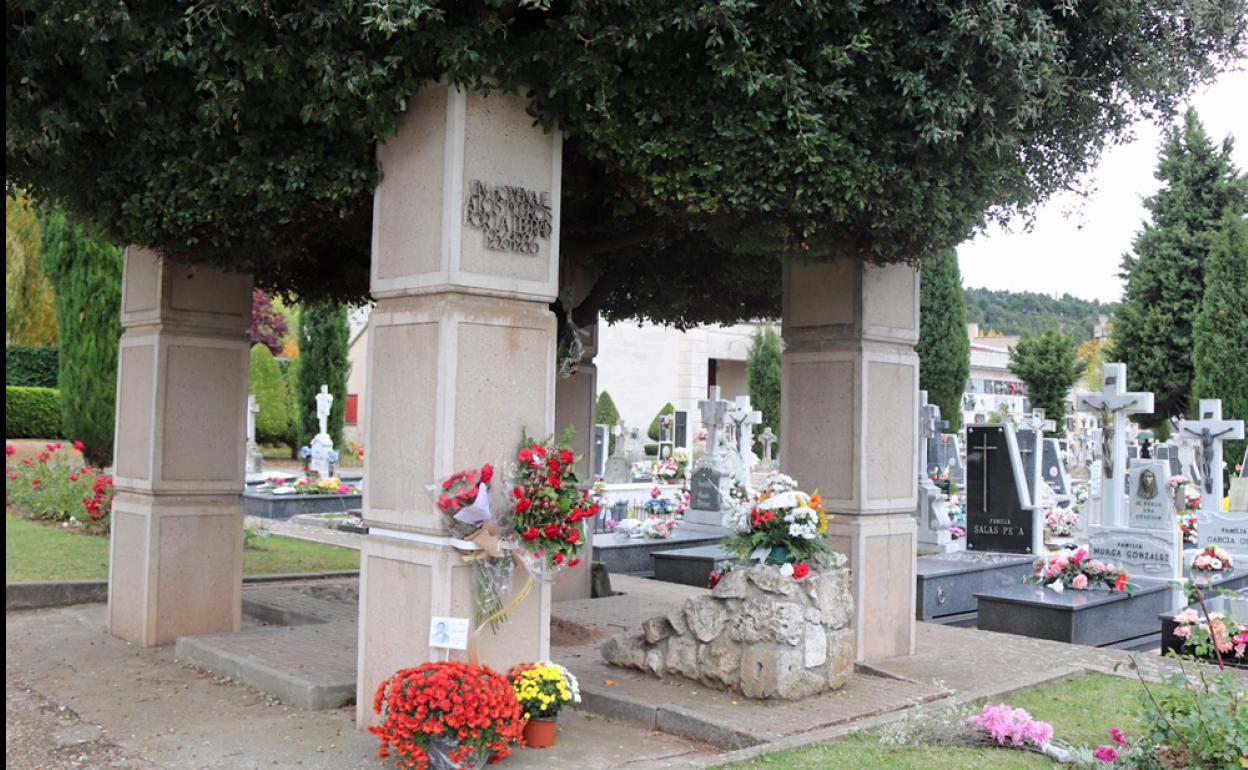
{"points": [[512, 218]]}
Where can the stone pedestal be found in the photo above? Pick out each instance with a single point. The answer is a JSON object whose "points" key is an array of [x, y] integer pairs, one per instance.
{"points": [[461, 360], [849, 427], [576, 405], [318, 461], [176, 552]]}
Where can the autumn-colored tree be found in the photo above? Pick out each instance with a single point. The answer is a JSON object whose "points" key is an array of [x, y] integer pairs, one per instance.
{"points": [[28, 315]]}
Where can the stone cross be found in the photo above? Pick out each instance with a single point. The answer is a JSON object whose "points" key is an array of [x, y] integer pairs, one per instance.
{"points": [[1113, 404], [1036, 421], [929, 421], [767, 439], [252, 410], [1211, 430], [744, 418], [324, 400], [714, 412]]}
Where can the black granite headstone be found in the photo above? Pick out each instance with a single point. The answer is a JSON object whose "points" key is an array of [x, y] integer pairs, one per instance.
{"points": [[1052, 468], [995, 517], [1027, 452], [704, 489], [682, 429]]}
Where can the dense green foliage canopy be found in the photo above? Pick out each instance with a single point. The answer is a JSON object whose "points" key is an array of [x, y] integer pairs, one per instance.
{"points": [[85, 271], [762, 371], [1021, 312], [323, 343], [32, 412], [1165, 273], [1048, 364], [944, 349], [32, 366], [703, 140], [1220, 352]]}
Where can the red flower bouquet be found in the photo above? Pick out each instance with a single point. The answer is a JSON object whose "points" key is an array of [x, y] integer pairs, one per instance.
{"points": [[450, 715], [456, 496], [549, 506]]}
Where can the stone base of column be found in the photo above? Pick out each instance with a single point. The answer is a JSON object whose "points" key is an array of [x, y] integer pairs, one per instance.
{"points": [[403, 583], [175, 567], [883, 545]]}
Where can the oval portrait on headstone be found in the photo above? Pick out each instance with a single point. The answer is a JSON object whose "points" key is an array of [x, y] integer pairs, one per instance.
{"points": [[1148, 485]]}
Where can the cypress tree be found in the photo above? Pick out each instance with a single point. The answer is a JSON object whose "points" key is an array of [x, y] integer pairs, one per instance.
{"points": [[86, 276], [323, 340], [609, 416], [1048, 364], [1165, 274], [944, 349], [1221, 330], [762, 366]]}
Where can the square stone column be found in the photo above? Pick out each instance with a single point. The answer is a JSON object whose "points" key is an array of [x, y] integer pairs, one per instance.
{"points": [[176, 552], [849, 420], [576, 402], [461, 360]]}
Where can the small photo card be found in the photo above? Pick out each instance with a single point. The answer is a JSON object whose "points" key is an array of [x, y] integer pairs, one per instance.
{"points": [[448, 633]]}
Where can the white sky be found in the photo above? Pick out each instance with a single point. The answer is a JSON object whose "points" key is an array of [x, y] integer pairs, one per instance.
{"points": [[1077, 243]]}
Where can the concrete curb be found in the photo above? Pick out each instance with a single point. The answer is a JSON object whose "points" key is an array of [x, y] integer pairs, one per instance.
{"points": [[39, 594], [668, 719]]}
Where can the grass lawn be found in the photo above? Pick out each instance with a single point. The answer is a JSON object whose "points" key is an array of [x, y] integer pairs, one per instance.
{"points": [[35, 551], [1081, 709]]}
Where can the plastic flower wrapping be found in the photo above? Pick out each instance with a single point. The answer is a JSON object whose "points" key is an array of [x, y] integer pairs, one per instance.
{"points": [[1076, 569], [463, 498], [548, 507], [782, 525]]}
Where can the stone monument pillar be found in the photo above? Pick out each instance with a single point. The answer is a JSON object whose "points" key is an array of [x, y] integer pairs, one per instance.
{"points": [[255, 460], [576, 397], [320, 460], [849, 426], [464, 268], [176, 552]]}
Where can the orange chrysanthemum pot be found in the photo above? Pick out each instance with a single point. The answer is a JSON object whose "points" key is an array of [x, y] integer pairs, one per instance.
{"points": [[540, 733]]}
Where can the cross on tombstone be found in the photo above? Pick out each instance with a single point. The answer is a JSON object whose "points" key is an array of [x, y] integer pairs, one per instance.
{"points": [[253, 409], [744, 418], [1211, 430], [767, 439], [929, 427], [1113, 403], [1036, 421], [985, 447], [714, 411]]}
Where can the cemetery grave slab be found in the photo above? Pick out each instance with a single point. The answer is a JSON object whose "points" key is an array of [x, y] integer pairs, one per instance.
{"points": [[690, 566], [634, 556], [947, 584], [1094, 618], [1236, 607], [267, 505]]}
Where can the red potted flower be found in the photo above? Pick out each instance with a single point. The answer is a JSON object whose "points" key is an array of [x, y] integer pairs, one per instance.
{"points": [[448, 716]]}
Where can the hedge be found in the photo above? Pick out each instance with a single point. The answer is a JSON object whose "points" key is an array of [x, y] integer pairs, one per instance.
{"points": [[31, 366], [275, 423], [32, 413]]}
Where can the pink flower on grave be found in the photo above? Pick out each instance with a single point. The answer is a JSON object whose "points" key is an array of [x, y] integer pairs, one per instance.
{"points": [[1106, 753], [1080, 582], [1117, 735], [655, 493]]}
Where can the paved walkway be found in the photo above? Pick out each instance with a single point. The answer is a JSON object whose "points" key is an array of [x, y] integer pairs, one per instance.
{"points": [[306, 531]]}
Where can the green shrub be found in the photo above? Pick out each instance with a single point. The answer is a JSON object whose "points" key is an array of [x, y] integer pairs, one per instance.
{"points": [[275, 422], [32, 413], [31, 366], [762, 366], [653, 431], [323, 342], [1203, 717]]}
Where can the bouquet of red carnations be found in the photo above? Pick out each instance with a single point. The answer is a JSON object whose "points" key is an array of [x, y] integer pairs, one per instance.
{"points": [[549, 506]]}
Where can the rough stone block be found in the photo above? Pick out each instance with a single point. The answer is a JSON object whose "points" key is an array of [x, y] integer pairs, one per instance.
{"points": [[682, 657], [720, 662], [830, 592], [840, 657], [654, 658], [816, 645], [705, 617], [760, 620], [676, 619], [629, 651], [770, 579], [656, 629], [730, 586]]}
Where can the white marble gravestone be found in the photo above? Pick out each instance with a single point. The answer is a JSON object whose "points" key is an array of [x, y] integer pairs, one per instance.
{"points": [[1211, 430], [743, 418], [1113, 403], [710, 485], [768, 440], [933, 507], [618, 469], [254, 471]]}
